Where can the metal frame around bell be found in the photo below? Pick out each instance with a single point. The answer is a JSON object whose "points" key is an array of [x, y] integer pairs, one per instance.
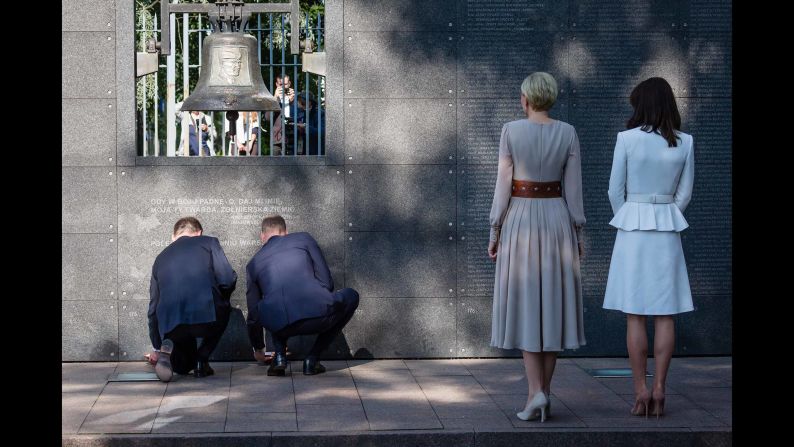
{"points": [[163, 46]]}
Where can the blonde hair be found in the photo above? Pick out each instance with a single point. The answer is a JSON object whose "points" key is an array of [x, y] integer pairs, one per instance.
{"points": [[540, 88]]}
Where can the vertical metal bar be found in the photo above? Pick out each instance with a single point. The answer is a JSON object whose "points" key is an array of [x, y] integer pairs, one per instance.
{"points": [[295, 18], [307, 78], [200, 33], [294, 106], [200, 40], [270, 64], [283, 112], [259, 56], [185, 57], [319, 32], [186, 83], [319, 94], [171, 91], [295, 28], [155, 120], [166, 25], [145, 123]]}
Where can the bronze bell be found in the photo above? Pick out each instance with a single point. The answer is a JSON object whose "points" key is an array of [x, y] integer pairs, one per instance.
{"points": [[230, 78]]}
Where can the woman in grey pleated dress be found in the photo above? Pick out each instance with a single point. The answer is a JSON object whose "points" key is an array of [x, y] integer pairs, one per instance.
{"points": [[653, 172], [536, 218]]}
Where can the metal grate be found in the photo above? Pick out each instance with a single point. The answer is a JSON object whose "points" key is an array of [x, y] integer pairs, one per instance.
{"points": [[613, 372], [134, 377]]}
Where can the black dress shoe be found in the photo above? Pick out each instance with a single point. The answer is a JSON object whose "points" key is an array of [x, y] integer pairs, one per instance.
{"points": [[163, 366], [312, 366], [278, 366], [203, 369]]}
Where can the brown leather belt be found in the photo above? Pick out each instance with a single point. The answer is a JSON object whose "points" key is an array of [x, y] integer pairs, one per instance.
{"points": [[536, 190]]}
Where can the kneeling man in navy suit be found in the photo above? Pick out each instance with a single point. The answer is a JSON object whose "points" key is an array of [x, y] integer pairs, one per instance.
{"points": [[290, 292], [192, 282]]}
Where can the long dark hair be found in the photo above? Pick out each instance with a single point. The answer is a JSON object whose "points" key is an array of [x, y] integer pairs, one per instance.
{"points": [[655, 109]]}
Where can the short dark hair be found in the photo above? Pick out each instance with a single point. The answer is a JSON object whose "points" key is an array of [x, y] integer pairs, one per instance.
{"points": [[655, 109], [190, 224], [275, 222]]}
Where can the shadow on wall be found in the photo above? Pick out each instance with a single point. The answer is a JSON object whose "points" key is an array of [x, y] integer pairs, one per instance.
{"points": [[392, 200], [104, 348]]}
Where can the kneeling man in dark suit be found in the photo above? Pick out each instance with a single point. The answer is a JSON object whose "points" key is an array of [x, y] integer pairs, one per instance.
{"points": [[290, 292], [192, 282]]}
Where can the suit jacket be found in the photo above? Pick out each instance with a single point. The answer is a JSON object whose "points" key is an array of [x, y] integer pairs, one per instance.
{"points": [[190, 278], [651, 184], [288, 280]]}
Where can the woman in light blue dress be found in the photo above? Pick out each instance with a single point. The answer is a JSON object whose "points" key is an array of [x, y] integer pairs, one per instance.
{"points": [[653, 171]]}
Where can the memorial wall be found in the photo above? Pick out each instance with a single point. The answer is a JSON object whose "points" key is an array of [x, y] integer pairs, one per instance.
{"points": [[417, 92]]}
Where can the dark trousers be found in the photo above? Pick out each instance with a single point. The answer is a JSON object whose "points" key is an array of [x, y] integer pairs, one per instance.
{"points": [[186, 353], [328, 326]]}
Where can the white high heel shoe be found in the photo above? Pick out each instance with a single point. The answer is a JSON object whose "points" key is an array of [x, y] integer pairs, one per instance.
{"points": [[536, 408]]}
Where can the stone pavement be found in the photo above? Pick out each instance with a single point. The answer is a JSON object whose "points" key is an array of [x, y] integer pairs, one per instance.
{"points": [[391, 402]]}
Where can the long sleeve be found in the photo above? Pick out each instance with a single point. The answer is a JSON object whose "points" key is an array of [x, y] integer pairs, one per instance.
{"points": [[224, 273], [617, 179], [683, 193], [504, 183], [252, 297], [321, 271], [154, 300], [572, 182]]}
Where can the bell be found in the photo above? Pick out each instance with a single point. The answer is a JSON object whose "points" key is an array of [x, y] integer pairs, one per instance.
{"points": [[230, 78]]}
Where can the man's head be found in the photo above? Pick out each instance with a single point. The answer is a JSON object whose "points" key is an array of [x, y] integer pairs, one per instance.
{"points": [[282, 80], [186, 226], [272, 226], [231, 60]]}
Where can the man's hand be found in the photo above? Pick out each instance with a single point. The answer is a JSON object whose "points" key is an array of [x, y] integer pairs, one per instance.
{"points": [[204, 127], [151, 357], [260, 356]]}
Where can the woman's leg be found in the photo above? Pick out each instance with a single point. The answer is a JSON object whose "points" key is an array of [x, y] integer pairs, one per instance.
{"points": [[663, 345], [549, 362], [637, 343], [533, 366]]}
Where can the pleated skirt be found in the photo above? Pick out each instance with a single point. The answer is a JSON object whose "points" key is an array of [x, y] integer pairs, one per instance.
{"points": [[537, 302]]}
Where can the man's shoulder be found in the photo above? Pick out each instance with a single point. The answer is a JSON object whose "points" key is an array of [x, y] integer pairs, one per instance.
{"points": [[300, 236], [208, 241]]}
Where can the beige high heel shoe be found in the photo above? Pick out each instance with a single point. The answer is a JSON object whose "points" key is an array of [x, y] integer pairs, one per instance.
{"points": [[657, 405], [536, 408]]}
